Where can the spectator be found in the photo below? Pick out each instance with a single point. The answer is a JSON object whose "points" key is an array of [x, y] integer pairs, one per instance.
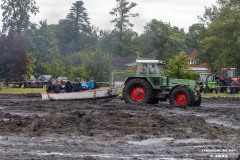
{"points": [[84, 84], [152, 69], [77, 85], [57, 88], [91, 84], [144, 70], [68, 86], [49, 86]]}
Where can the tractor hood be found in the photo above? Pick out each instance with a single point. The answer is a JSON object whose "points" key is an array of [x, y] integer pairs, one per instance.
{"points": [[190, 83]]}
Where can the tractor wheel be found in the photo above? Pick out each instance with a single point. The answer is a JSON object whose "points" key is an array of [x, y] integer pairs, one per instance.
{"points": [[211, 90], [237, 90], [181, 96], [222, 89], [138, 91], [217, 90]]}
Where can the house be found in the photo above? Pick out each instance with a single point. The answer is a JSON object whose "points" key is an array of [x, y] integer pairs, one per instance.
{"points": [[194, 63]]}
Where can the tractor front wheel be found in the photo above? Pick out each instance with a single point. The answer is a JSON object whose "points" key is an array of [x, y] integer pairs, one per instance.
{"points": [[138, 91], [181, 96]]}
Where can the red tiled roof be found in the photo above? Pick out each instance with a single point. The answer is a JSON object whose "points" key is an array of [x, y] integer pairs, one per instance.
{"points": [[193, 54]]}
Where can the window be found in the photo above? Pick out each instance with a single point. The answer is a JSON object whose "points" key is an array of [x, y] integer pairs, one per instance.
{"points": [[191, 61]]}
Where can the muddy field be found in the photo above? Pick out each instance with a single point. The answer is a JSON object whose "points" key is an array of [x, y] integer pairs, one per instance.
{"points": [[110, 129]]}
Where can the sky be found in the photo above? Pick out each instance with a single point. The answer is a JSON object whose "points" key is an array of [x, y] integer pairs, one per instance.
{"points": [[180, 13]]}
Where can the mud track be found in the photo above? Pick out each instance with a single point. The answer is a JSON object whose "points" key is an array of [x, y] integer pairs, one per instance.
{"points": [[110, 129]]}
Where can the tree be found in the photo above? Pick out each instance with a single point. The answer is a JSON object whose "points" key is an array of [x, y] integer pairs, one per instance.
{"points": [[160, 40], [74, 33], [15, 61], [178, 67], [86, 64], [109, 40], [101, 68], [122, 13], [16, 14], [78, 17], [43, 45], [195, 35], [221, 43]]}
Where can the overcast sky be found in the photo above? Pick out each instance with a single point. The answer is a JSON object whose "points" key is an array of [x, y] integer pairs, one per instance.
{"points": [[180, 13]]}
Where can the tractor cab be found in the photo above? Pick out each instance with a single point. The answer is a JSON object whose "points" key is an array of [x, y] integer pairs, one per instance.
{"points": [[150, 67], [229, 72], [206, 77]]}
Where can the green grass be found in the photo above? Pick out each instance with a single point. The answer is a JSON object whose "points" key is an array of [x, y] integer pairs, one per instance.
{"points": [[10, 90], [223, 95]]}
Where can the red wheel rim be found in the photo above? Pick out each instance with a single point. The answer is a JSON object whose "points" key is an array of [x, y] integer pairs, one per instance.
{"points": [[181, 98], [138, 93]]}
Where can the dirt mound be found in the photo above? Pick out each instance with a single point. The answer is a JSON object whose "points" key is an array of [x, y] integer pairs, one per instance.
{"points": [[111, 124], [102, 128]]}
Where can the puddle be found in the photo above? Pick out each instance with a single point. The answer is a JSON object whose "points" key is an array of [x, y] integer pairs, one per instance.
{"points": [[24, 114], [107, 156], [193, 141], [2, 107], [153, 141], [223, 123]]}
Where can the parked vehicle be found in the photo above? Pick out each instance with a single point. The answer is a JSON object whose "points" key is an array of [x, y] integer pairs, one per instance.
{"points": [[229, 80], [45, 78], [207, 82], [32, 82], [62, 79], [150, 84]]}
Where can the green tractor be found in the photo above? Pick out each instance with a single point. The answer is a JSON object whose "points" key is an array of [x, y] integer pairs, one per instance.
{"points": [[207, 82], [149, 85]]}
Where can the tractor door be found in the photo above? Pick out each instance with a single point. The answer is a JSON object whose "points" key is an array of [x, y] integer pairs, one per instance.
{"points": [[156, 72], [153, 72]]}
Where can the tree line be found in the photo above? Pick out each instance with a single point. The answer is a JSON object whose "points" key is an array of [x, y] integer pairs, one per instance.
{"points": [[76, 48]]}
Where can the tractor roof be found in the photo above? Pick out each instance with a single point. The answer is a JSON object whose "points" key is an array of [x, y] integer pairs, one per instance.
{"points": [[150, 61]]}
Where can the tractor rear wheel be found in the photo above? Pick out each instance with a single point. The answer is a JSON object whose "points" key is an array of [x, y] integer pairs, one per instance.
{"points": [[138, 91], [181, 96]]}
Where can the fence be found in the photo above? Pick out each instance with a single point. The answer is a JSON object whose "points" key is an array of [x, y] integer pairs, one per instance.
{"points": [[118, 78]]}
